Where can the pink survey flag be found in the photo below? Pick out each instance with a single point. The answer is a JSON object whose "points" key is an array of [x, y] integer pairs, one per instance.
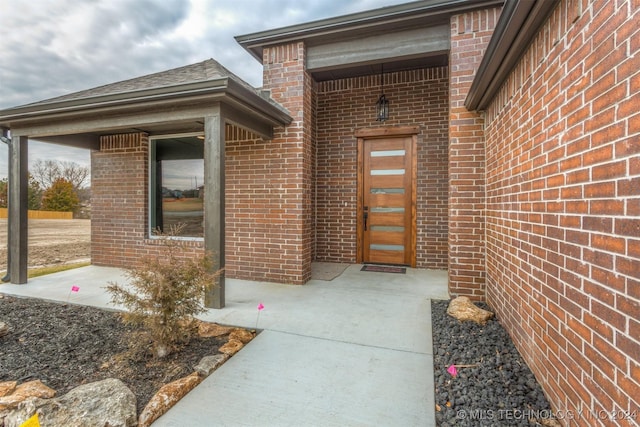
{"points": [[75, 288], [260, 308], [452, 370]]}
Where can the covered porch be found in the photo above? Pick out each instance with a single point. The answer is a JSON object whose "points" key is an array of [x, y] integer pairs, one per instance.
{"points": [[395, 158], [321, 167], [200, 105]]}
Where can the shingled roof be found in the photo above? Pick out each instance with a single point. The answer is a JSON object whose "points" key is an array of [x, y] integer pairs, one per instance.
{"points": [[204, 82], [209, 69]]}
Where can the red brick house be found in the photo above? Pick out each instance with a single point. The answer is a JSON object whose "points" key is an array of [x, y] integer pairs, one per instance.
{"points": [[510, 157]]}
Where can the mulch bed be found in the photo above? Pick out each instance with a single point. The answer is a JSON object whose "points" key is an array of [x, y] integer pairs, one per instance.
{"points": [[66, 345]]}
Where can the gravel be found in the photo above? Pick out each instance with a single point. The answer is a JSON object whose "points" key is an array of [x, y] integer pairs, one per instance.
{"points": [[498, 389]]}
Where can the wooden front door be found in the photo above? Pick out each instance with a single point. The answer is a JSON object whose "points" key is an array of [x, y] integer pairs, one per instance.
{"points": [[387, 200]]}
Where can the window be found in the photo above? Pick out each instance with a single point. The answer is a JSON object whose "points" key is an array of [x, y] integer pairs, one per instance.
{"points": [[177, 185]]}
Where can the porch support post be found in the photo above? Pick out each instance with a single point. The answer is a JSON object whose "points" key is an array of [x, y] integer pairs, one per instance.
{"points": [[18, 205], [214, 221]]}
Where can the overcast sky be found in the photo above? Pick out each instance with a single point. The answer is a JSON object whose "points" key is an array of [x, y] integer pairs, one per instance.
{"points": [[54, 47]]}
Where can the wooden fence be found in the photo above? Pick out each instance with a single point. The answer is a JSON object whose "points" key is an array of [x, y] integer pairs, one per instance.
{"points": [[41, 214]]}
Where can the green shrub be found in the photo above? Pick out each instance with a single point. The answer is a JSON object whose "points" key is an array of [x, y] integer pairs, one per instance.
{"points": [[165, 293]]}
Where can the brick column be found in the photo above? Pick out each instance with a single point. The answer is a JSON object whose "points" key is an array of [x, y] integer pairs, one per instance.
{"points": [[290, 178], [119, 199], [470, 34]]}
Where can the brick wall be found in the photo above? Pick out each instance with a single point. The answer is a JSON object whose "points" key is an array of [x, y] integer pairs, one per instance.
{"points": [[563, 209], [269, 189], [470, 34], [258, 208], [259, 192], [290, 230], [418, 97], [120, 203]]}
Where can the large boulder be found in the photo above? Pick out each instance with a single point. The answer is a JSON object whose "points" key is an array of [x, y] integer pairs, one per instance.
{"points": [[99, 404], [463, 309], [166, 397]]}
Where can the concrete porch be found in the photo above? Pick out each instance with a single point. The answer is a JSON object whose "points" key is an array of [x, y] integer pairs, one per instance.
{"points": [[356, 350]]}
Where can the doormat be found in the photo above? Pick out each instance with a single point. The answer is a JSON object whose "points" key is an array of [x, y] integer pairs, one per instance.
{"points": [[384, 269]]}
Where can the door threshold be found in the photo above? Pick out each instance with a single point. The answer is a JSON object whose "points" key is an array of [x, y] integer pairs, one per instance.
{"points": [[376, 268]]}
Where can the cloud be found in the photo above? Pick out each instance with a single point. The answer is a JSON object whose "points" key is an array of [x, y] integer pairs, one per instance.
{"points": [[46, 151], [52, 48]]}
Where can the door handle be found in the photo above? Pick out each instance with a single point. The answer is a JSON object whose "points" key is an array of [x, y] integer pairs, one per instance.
{"points": [[365, 216]]}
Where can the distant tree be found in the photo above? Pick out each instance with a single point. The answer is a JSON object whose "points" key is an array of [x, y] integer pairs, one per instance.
{"points": [[46, 172], [84, 194], [34, 194], [61, 197]]}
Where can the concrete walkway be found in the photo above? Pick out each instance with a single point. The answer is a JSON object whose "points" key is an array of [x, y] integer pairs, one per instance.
{"points": [[354, 351]]}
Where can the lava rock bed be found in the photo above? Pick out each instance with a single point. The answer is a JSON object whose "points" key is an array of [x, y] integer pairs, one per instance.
{"points": [[500, 391]]}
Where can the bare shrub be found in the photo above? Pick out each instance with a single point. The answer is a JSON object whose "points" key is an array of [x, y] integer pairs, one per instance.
{"points": [[165, 293]]}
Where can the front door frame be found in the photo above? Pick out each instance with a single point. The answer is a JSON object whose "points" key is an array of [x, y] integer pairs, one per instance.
{"points": [[378, 133]]}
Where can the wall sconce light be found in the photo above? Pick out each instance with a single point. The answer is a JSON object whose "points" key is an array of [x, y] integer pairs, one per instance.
{"points": [[382, 105]]}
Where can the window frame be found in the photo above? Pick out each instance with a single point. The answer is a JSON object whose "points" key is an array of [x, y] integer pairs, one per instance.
{"points": [[151, 188]]}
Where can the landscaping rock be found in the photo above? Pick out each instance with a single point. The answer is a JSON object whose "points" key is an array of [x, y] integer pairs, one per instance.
{"points": [[241, 335], [85, 344], [4, 329], [166, 397], [463, 309], [23, 392], [491, 377], [7, 387], [231, 347], [209, 330], [99, 404], [209, 364]]}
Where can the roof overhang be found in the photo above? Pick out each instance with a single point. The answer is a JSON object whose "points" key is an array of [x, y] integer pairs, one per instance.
{"points": [[47, 119], [519, 23], [406, 36]]}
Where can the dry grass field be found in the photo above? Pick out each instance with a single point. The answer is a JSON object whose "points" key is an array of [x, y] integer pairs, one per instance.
{"points": [[182, 205], [52, 241]]}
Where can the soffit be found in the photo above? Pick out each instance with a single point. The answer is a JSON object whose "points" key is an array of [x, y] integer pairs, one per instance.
{"points": [[519, 23], [400, 50], [388, 66], [378, 29]]}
